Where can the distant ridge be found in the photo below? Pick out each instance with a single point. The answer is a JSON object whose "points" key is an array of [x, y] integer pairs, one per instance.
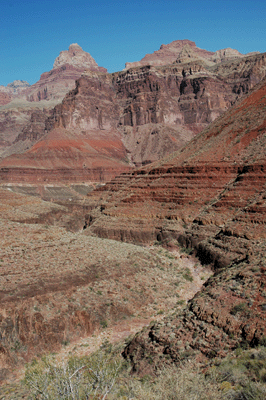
{"points": [[185, 50]]}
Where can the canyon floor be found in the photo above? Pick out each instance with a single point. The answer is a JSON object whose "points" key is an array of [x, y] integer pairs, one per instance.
{"points": [[63, 291]]}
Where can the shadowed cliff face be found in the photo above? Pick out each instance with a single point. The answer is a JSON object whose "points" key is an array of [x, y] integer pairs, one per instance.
{"points": [[209, 197]]}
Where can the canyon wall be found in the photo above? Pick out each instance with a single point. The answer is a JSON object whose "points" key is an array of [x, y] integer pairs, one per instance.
{"points": [[150, 111], [21, 104], [210, 198]]}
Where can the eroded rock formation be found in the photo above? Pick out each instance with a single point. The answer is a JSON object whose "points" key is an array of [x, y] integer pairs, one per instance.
{"points": [[210, 197], [72, 145], [147, 111], [21, 114], [57, 287], [184, 51], [75, 56], [13, 89]]}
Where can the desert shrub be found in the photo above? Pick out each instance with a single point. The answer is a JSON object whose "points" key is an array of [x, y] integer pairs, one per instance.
{"points": [[245, 371], [187, 275], [240, 376], [186, 250], [104, 324], [238, 308], [246, 364], [104, 375], [75, 378], [174, 384], [250, 391]]}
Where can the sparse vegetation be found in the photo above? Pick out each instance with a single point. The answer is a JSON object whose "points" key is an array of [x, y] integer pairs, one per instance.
{"points": [[186, 250], [76, 378], [100, 288], [105, 375], [104, 324], [241, 307], [187, 275]]}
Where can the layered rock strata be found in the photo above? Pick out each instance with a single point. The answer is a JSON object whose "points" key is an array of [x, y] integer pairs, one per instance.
{"points": [[72, 145], [210, 197], [12, 90], [148, 111], [22, 104], [57, 287], [186, 50]]}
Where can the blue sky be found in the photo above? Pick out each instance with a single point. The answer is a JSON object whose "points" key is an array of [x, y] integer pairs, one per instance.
{"points": [[32, 33]]}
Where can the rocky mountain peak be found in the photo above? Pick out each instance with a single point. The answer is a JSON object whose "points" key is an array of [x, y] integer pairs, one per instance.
{"points": [[183, 51], [76, 57], [13, 89], [68, 67], [169, 53], [178, 44], [74, 48], [18, 84], [223, 54], [15, 85]]}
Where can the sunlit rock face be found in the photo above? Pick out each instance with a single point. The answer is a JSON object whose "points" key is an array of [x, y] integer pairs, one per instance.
{"points": [[149, 111], [76, 57], [181, 51], [210, 198]]}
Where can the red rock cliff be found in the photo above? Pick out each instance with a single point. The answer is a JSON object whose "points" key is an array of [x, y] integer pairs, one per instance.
{"points": [[210, 197], [150, 111]]}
